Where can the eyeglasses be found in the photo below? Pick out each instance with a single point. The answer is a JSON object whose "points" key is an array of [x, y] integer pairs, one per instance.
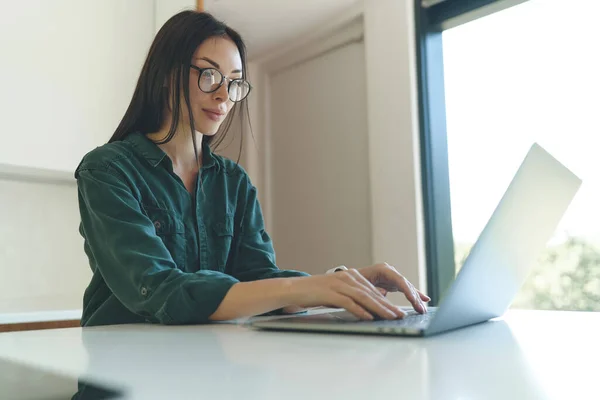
{"points": [[211, 79]]}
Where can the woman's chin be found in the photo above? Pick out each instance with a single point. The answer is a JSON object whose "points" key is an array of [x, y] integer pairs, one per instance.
{"points": [[208, 130]]}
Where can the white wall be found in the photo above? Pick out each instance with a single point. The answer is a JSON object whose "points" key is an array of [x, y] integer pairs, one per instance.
{"points": [[42, 262], [320, 171], [397, 215], [68, 70], [256, 146], [165, 9], [67, 73]]}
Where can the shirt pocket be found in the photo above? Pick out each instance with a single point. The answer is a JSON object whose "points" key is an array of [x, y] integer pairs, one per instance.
{"points": [[171, 230], [223, 238]]}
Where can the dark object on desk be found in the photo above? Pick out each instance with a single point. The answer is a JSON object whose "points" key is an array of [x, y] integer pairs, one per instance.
{"points": [[22, 382]]}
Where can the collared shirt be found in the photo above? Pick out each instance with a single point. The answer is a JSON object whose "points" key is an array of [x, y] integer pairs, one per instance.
{"points": [[158, 253]]}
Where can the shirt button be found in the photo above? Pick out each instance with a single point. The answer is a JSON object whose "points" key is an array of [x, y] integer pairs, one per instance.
{"points": [[144, 291], [157, 224]]}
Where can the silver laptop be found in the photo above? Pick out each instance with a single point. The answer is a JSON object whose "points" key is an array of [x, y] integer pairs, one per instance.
{"points": [[494, 271]]}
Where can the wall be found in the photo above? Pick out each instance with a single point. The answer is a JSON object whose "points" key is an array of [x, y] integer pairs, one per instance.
{"points": [[256, 146], [165, 9], [42, 263], [320, 171], [67, 74], [68, 70], [396, 216]]}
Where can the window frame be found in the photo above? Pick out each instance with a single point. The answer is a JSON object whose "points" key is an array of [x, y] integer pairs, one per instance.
{"points": [[432, 17]]}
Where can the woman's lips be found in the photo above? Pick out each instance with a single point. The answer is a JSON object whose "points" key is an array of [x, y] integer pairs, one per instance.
{"points": [[213, 115]]}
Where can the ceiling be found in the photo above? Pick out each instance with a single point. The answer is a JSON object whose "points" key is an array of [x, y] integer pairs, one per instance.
{"points": [[267, 25]]}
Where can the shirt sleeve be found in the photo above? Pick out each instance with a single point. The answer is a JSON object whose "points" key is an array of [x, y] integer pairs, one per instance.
{"points": [[255, 256], [134, 262]]}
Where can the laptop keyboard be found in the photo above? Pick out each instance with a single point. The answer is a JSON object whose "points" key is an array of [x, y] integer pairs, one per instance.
{"points": [[412, 319]]}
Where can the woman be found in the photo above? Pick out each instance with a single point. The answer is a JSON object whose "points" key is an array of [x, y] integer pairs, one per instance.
{"points": [[174, 233]]}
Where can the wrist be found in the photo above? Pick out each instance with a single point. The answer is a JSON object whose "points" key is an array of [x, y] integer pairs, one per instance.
{"points": [[288, 291]]}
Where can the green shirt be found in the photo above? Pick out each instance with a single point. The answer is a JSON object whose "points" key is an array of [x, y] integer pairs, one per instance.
{"points": [[157, 253]]}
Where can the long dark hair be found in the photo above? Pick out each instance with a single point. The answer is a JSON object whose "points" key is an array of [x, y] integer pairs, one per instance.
{"points": [[168, 61]]}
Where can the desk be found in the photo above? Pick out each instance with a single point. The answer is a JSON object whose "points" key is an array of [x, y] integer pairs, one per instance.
{"points": [[527, 355]]}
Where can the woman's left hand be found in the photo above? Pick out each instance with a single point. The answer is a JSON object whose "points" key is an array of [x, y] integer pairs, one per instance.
{"points": [[388, 279]]}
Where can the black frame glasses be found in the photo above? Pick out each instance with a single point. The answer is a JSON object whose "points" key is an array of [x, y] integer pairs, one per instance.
{"points": [[240, 82]]}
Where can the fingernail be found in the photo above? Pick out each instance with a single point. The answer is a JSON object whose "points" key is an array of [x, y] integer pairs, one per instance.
{"points": [[368, 316]]}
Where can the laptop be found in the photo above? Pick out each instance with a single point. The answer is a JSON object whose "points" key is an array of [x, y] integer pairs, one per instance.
{"points": [[497, 266]]}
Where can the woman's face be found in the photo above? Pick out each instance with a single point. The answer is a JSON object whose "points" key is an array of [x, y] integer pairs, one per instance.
{"points": [[210, 109]]}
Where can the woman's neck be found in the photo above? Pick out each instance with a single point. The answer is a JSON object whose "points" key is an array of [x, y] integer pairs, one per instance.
{"points": [[180, 148]]}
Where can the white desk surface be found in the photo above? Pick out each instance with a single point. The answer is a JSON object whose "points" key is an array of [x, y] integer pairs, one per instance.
{"points": [[527, 355]]}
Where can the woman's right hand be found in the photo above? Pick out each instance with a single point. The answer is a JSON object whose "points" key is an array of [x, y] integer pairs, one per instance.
{"points": [[343, 289]]}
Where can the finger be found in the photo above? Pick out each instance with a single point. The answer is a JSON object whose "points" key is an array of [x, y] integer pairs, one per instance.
{"points": [[391, 306], [366, 300], [340, 301], [407, 288], [382, 291], [387, 287], [355, 278], [423, 296], [363, 283], [418, 297]]}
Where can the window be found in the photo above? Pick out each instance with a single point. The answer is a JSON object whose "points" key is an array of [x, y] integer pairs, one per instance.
{"points": [[509, 78]]}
